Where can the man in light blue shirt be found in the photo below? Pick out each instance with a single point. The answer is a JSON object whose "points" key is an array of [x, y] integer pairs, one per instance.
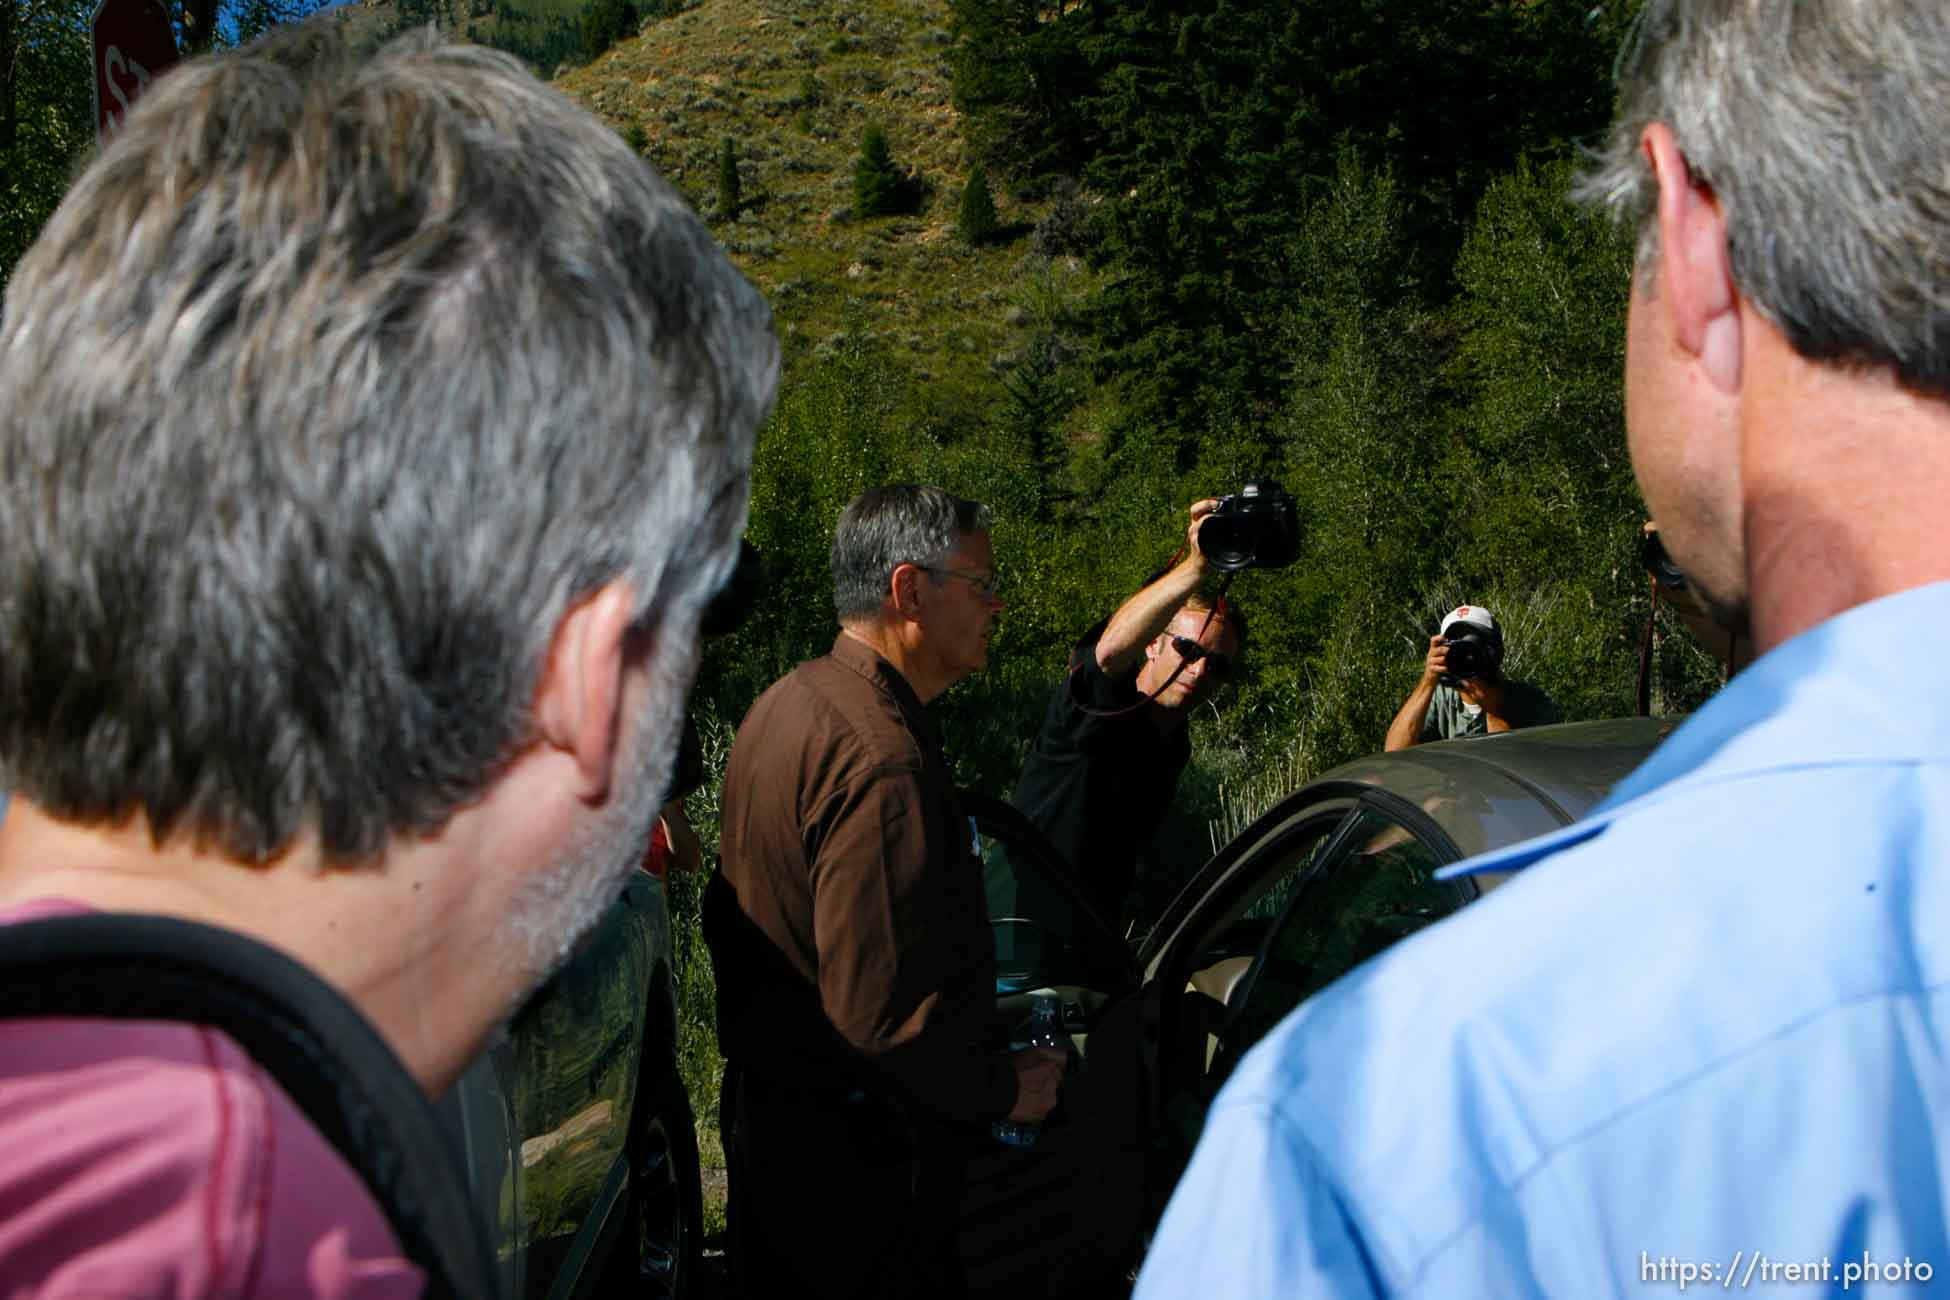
{"points": [[1703, 1037]]}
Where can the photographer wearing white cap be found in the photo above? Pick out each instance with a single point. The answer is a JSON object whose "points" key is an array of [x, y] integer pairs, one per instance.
{"points": [[1463, 691]]}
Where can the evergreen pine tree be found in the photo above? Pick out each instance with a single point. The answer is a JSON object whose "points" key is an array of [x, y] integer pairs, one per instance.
{"points": [[976, 220], [876, 181], [606, 22], [728, 192]]}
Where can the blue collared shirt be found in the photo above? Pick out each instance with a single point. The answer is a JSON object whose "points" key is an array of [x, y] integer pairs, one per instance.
{"points": [[1708, 1029]]}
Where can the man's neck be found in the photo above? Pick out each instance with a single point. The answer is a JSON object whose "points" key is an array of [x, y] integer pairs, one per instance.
{"points": [[901, 647], [413, 988], [1845, 478]]}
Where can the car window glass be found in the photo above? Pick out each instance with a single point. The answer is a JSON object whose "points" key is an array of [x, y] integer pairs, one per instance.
{"points": [[575, 1045], [1260, 890], [1043, 932], [1374, 889]]}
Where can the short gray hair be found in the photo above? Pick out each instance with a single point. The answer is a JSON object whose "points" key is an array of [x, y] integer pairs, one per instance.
{"points": [[329, 389], [1819, 125], [885, 527]]}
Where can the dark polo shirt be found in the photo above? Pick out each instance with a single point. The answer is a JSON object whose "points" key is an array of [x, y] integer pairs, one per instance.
{"points": [[1099, 780], [853, 949]]}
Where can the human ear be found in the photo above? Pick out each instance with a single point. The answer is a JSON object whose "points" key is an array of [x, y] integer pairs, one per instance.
{"points": [[1695, 272], [904, 585], [579, 701]]}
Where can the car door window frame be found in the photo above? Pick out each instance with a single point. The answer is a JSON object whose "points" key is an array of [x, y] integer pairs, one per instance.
{"points": [[1347, 838], [1196, 922]]}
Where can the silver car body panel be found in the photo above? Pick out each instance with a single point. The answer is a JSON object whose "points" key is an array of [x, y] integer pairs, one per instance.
{"points": [[1484, 792], [1488, 792]]}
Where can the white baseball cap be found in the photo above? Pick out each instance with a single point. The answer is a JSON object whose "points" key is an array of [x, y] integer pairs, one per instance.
{"points": [[1474, 615]]}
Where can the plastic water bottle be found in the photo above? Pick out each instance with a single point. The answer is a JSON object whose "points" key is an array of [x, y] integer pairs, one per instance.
{"points": [[1042, 1027]]}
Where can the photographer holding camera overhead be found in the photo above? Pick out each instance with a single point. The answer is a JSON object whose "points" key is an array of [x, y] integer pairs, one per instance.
{"points": [[1105, 764], [1463, 691]]}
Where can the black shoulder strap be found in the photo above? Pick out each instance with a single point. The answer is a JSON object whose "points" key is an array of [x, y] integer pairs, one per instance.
{"points": [[303, 1032]]}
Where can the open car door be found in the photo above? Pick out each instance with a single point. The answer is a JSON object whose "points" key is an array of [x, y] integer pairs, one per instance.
{"points": [[1332, 876], [1062, 1217]]}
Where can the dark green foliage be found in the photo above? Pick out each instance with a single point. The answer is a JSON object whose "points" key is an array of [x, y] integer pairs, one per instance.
{"points": [[606, 22], [1211, 123], [543, 41], [1020, 74], [729, 195], [877, 183], [46, 122], [975, 221], [837, 431], [1039, 392], [636, 137]]}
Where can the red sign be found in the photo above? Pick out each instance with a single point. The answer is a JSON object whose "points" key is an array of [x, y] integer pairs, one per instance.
{"points": [[133, 42]]}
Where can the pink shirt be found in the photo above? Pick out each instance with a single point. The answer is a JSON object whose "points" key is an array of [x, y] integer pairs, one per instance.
{"points": [[144, 1160]]}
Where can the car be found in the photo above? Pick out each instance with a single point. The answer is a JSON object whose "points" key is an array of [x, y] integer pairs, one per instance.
{"points": [[1335, 873], [575, 1129]]}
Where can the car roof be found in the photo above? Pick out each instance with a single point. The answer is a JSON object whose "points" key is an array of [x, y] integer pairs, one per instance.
{"points": [[1487, 792]]}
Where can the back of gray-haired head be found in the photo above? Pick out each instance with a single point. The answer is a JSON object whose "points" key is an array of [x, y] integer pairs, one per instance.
{"points": [[330, 387], [888, 526], [1819, 126]]}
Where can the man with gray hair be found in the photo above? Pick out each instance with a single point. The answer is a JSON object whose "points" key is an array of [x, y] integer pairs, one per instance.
{"points": [[1699, 1036], [373, 433], [849, 933]]}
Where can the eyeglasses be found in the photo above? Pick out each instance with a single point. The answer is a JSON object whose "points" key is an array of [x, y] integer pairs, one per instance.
{"points": [[1191, 652], [985, 585]]}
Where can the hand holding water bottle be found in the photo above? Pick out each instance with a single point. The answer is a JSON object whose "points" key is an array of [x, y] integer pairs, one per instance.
{"points": [[1040, 1064]]}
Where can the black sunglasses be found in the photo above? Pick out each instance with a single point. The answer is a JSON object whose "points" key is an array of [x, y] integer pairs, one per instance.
{"points": [[1191, 652]]}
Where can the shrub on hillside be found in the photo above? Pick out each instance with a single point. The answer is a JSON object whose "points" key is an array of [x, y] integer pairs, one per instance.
{"points": [[729, 195], [1063, 230], [878, 185], [976, 222]]}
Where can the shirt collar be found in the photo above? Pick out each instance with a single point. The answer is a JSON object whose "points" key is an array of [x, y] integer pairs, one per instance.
{"points": [[866, 661], [1865, 686]]}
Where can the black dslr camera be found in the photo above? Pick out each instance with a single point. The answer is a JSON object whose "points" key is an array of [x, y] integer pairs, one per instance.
{"points": [[1255, 527], [1652, 555], [1471, 654]]}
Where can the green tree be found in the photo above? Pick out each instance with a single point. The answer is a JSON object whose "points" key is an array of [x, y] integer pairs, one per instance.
{"points": [[728, 192], [606, 22], [877, 182], [1038, 392], [544, 41], [1219, 119], [1021, 72], [975, 221], [46, 122]]}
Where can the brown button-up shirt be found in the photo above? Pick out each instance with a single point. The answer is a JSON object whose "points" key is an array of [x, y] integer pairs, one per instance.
{"points": [[858, 897]]}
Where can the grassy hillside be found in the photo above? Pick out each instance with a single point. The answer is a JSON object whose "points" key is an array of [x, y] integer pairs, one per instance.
{"points": [[794, 84]]}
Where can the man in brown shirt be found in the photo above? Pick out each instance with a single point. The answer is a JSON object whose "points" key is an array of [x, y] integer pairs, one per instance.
{"points": [[849, 933]]}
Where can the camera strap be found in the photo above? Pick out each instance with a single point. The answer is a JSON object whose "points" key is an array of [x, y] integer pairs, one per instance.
{"points": [[1645, 654], [300, 1030]]}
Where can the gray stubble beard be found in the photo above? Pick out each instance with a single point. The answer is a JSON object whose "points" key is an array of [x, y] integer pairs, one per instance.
{"points": [[560, 904]]}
